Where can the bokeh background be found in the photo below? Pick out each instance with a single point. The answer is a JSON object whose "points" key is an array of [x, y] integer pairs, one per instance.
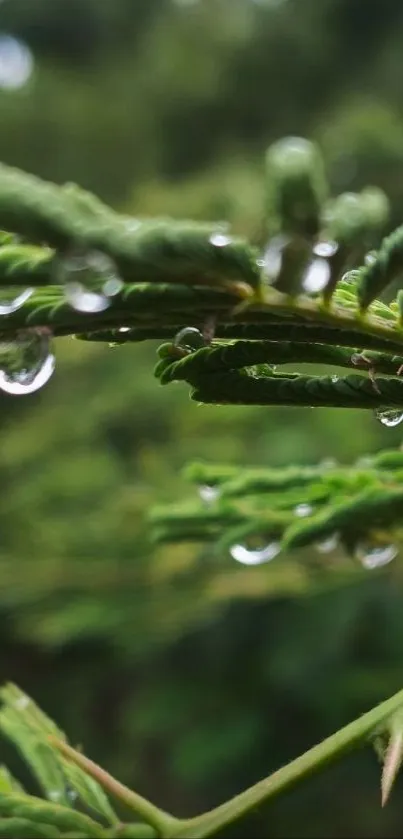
{"points": [[190, 678]]}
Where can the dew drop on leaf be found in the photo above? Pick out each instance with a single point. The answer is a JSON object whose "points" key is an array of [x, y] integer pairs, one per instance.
{"points": [[11, 300], [326, 546], [54, 795], [390, 417], [90, 281], [316, 276], [302, 510], [27, 363], [351, 277], [112, 286], [374, 556], [273, 257], [83, 300], [325, 248], [189, 338], [220, 240], [209, 493], [258, 556], [370, 257]]}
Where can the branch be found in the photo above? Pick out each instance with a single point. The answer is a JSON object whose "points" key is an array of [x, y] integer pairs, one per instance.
{"points": [[312, 761]]}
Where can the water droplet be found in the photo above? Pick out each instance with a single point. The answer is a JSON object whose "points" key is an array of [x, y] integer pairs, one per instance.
{"points": [[189, 338], [85, 301], [374, 556], [11, 300], [296, 146], [16, 62], [132, 225], [370, 258], [209, 493], [124, 329], [112, 286], [258, 556], [273, 257], [27, 364], [326, 546], [389, 417], [72, 795], [22, 703], [220, 240], [334, 379], [89, 281], [302, 510], [316, 276], [325, 249], [54, 795], [351, 277]]}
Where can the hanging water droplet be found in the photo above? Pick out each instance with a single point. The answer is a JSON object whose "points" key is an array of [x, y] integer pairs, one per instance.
{"points": [[85, 301], [390, 417], [209, 493], [334, 379], [351, 277], [89, 281], [374, 556], [316, 276], [112, 286], [27, 363], [54, 795], [370, 258], [326, 248], [273, 257], [72, 795], [220, 240], [248, 556], [302, 510], [124, 329], [326, 546], [189, 338], [12, 299]]}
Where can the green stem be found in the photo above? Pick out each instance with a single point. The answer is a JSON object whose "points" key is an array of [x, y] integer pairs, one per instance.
{"points": [[285, 778], [164, 823]]}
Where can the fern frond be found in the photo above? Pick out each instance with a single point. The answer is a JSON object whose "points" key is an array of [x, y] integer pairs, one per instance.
{"points": [[358, 508], [71, 265]]}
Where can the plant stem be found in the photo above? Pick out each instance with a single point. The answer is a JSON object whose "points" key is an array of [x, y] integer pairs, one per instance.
{"points": [[280, 781], [164, 823]]}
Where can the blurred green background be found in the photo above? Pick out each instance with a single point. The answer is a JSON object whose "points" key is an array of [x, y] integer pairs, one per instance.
{"points": [[190, 678]]}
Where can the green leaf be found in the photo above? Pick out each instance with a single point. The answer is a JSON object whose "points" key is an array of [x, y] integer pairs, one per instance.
{"points": [[18, 828], [29, 728], [9, 784]]}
